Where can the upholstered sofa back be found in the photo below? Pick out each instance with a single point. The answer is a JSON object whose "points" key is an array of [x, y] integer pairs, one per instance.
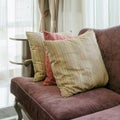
{"points": [[109, 43]]}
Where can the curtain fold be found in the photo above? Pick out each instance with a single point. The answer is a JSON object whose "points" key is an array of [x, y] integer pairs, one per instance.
{"points": [[16, 17], [3, 41], [42, 9], [49, 15], [53, 6], [44, 13], [70, 16], [77, 14], [101, 13]]}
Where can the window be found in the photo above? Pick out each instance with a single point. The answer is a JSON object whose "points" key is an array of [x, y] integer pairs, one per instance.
{"points": [[17, 17]]}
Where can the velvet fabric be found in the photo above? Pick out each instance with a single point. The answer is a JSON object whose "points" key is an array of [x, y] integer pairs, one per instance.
{"points": [[45, 102], [109, 43], [108, 114]]}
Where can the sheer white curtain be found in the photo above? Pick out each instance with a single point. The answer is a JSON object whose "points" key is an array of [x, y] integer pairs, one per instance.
{"points": [[101, 13], [70, 16], [77, 14], [16, 17], [3, 40]]}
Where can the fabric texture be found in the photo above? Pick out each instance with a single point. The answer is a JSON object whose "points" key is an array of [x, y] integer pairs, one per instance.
{"points": [[49, 15], [53, 7], [38, 54], [45, 15], [75, 64], [109, 43], [108, 114], [50, 80], [45, 102]]}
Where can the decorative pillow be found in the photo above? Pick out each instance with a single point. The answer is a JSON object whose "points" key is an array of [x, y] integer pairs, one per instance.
{"points": [[50, 80], [38, 54], [77, 64]]}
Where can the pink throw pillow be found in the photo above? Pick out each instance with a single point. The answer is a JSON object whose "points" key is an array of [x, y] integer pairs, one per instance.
{"points": [[50, 80]]}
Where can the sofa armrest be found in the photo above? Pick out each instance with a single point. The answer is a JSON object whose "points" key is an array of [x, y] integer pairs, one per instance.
{"points": [[28, 69]]}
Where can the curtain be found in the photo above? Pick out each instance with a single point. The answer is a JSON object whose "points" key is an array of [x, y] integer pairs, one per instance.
{"points": [[16, 17], [70, 16], [77, 14], [53, 6], [49, 15], [101, 13], [45, 16], [3, 41]]}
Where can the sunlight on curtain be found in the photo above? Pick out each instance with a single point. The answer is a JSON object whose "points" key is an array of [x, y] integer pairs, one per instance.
{"points": [[16, 17], [101, 13], [70, 16], [3, 41], [77, 14]]}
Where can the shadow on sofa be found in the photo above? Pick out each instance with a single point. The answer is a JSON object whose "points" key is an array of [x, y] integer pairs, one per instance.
{"points": [[45, 102]]}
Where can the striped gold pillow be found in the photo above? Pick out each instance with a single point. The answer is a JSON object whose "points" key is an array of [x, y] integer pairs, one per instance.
{"points": [[77, 64], [38, 54]]}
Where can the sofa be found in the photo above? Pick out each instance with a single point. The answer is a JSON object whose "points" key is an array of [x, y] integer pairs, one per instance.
{"points": [[41, 102]]}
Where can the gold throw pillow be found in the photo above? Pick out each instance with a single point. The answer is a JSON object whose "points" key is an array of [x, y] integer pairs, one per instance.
{"points": [[77, 64], [38, 54]]}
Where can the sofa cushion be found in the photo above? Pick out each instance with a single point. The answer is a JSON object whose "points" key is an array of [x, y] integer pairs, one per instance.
{"points": [[109, 43], [45, 102], [35, 40], [50, 80], [74, 63], [108, 114]]}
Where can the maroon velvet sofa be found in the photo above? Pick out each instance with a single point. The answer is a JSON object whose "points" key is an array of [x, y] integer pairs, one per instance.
{"points": [[45, 102]]}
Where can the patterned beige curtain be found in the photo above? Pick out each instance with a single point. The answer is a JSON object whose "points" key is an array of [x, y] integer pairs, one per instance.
{"points": [[44, 14], [49, 15], [53, 6]]}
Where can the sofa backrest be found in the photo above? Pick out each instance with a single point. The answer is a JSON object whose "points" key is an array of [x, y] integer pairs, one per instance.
{"points": [[109, 43]]}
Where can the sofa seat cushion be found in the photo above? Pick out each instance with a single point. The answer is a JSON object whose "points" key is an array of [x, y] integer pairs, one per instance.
{"points": [[108, 114], [45, 102]]}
